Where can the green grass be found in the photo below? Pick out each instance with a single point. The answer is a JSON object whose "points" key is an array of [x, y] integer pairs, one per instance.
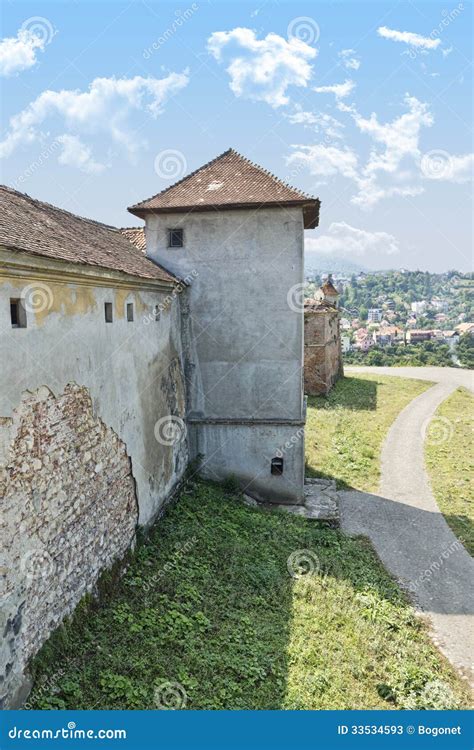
{"points": [[207, 604], [345, 430], [450, 463]]}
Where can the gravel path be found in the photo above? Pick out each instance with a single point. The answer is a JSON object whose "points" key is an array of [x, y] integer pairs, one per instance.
{"points": [[406, 526]]}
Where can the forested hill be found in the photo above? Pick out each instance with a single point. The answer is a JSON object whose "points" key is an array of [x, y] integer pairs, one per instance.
{"points": [[400, 288]]}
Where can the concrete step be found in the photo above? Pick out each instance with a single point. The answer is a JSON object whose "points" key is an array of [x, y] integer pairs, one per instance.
{"points": [[321, 501]]}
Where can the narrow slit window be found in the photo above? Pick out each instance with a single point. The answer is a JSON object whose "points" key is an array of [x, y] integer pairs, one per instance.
{"points": [[109, 316], [17, 313], [175, 238], [130, 312], [277, 466], [157, 312]]}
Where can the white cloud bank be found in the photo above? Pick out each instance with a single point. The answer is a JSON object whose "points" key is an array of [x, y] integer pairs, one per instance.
{"points": [[19, 52], [409, 38], [262, 70], [344, 240], [340, 90], [395, 165], [102, 110]]}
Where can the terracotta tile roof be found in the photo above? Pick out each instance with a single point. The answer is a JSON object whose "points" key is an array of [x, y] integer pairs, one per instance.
{"points": [[229, 181], [42, 229], [329, 288], [136, 235], [465, 327]]}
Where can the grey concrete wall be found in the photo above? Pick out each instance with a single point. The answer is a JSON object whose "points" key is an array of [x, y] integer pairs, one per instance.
{"points": [[246, 349], [245, 452]]}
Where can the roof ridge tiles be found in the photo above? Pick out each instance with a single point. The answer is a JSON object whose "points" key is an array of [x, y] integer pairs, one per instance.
{"points": [[223, 185], [186, 177]]}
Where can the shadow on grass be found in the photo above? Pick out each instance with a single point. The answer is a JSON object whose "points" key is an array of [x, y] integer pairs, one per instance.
{"points": [[209, 616], [204, 617], [463, 527], [356, 394]]}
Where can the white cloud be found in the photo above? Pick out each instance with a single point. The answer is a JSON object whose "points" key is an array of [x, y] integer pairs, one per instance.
{"points": [[399, 141], [262, 70], [76, 154], [408, 37], [321, 122], [371, 191], [340, 90], [19, 52], [392, 166], [461, 168], [102, 110], [349, 59], [399, 138], [300, 117], [325, 161], [439, 165], [343, 239], [447, 51]]}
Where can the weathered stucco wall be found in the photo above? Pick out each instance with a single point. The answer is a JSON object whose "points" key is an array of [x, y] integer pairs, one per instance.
{"points": [[132, 370], [92, 437], [322, 350], [68, 510], [246, 349]]}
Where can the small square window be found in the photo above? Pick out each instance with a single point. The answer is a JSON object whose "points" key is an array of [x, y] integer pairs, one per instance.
{"points": [[17, 313], [175, 238], [277, 465], [109, 316], [130, 312]]}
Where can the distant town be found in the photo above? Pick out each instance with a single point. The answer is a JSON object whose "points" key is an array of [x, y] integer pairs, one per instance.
{"points": [[403, 317]]}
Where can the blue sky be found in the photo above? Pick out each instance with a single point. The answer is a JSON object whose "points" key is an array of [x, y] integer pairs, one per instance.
{"points": [[367, 105]]}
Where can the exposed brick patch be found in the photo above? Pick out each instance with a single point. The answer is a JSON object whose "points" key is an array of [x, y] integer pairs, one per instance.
{"points": [[322, 350], [68, 511]]}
